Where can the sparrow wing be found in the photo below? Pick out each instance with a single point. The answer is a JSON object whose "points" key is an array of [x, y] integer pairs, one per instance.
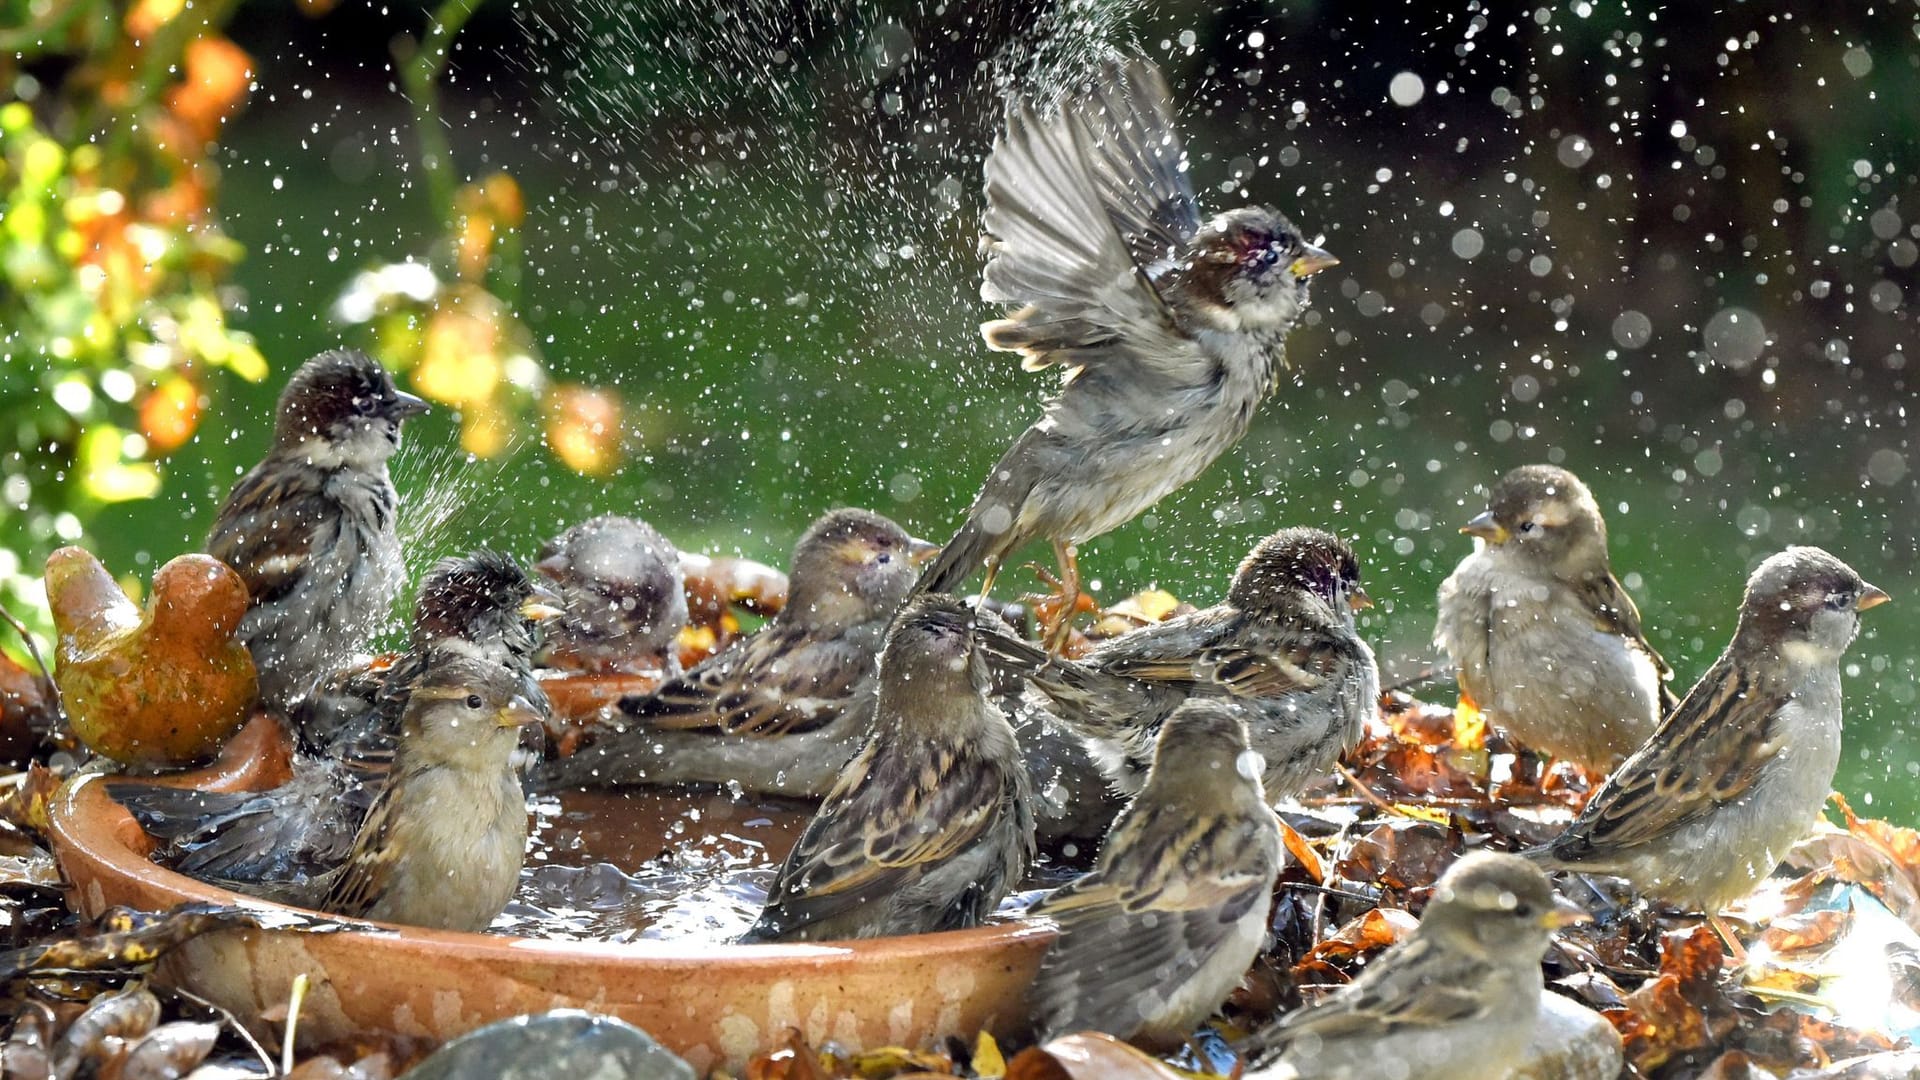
{"points": [[1170, 890], [780, 681], [887, 822], [1414, 986], [1139, 166], [1706, 752], [1221, 651], [1614, 613], [369, 868], [270, 525], [1056, 253]]}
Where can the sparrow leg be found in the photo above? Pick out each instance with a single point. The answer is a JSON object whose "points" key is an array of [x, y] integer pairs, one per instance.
{"points": [[1735, 951], [1060, 622], [986, 587]]}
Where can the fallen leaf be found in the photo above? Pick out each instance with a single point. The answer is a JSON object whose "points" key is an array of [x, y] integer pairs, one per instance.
{"points": [[1088, 1056]]}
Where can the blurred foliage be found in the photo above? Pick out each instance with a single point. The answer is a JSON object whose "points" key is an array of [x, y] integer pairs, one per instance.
{"points": [[115, 303]]}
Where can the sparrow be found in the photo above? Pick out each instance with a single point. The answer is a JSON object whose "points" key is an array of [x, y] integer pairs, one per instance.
{"points": [[1282, 649], [782, 711], [1161, 931], [445, 841], [1168, 328], [623, 598], [931, 824], [310, 529], [1739, 770], [1458, 996], [477, 608], [1547, 643]]}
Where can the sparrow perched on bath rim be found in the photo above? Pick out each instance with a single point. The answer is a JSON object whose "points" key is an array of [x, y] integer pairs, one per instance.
{"points": [[310, 529], [1156, 937], [1456, 999], [622, 596], [1282, 650], [479, 607], [1738, 772], [1169, 328], [782, 711], [1547, 643], [932, 823]]}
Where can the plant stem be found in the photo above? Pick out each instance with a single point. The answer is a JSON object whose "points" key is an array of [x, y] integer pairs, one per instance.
{"points": [[420, 76]]}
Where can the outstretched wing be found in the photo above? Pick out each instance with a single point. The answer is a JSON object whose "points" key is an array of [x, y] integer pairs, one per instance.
{"points": [[1138, 164]]}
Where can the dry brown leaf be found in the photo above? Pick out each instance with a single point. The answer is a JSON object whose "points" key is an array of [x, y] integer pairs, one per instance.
{"points": [[1303, 854], [1807, 930]]}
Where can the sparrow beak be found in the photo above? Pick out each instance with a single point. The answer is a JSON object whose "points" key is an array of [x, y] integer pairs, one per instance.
{"points": [[1871, 597], [1312, 260], [553, 566], [518, 713], [405, 405], [1484, 527], [1358, 600], [541, 604], [920, 553], [1565, 913]]}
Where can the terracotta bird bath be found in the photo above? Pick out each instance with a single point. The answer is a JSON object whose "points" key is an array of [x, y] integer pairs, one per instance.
{"points": [[714, 1004]]}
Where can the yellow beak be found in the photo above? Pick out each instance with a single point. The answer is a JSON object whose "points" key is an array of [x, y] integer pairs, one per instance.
{"points": [[920, 552], [1358, 600], [518, 713], [1312, 260], [1484, 527], [1565, 913], [1871, 597]]}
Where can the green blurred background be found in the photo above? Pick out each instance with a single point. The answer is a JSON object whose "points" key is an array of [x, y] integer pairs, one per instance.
{"points": [[1561, 229]]}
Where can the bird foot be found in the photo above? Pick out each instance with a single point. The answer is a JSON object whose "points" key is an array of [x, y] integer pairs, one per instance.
{"points": [[1055, 611]]}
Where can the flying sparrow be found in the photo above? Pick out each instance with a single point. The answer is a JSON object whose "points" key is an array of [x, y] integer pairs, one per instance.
{"points": [[932, 823], [1156, 937], [478, 607], [1168, 328], [445, 840], [1282, 649], [782, 711], [310, 529], [623, 598], [1740, 769], [1547, 643], [1457, 998]]}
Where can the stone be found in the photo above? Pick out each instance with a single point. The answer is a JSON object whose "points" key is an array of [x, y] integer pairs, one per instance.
{"points": [[1570, 1042], [565, 1042]]}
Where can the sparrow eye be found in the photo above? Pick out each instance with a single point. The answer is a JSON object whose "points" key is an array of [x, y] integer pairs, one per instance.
{"points": [[1841, 600], [883, 558], [474, 702], [1270, 254], [1528, 528]]}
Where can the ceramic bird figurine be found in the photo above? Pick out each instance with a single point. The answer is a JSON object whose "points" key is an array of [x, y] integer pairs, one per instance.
{"points": [[1169, 328], [159, 684]]}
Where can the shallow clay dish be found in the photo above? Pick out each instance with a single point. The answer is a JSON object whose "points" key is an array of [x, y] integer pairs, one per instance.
{"points": [[716, 1005]]}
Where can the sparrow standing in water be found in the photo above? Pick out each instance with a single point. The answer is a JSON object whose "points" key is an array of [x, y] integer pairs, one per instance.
{"points": [[782, 711], [479, 607], [1547, 643], [932, 823], [1455, 1000], [622, 594], [445, 841], [1168, 328], [1282, 650], [1738, 772], [310, 529], [1156, 937]]}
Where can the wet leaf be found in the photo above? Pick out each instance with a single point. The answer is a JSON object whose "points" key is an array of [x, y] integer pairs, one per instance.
{"points": [[1303, 854], [1793, 933], [988, 1063], [1088, 1056], [128, 942], [105, 1030], [170, 1051]]}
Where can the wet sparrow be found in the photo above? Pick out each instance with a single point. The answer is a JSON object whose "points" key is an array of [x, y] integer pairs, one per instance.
{"points": [[932, 823], [311, 527], [782, 711], [1456, 999], [1547, 643], [1156, 937], [1282, 649], [476, 607], [1741, 768], [1168, 328], [623, 597], [445, 840]]}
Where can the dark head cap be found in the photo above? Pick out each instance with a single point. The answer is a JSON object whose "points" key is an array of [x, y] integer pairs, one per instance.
{"points": [[472, 597], [1804, 594], [338, 395], [1293, 560]]}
